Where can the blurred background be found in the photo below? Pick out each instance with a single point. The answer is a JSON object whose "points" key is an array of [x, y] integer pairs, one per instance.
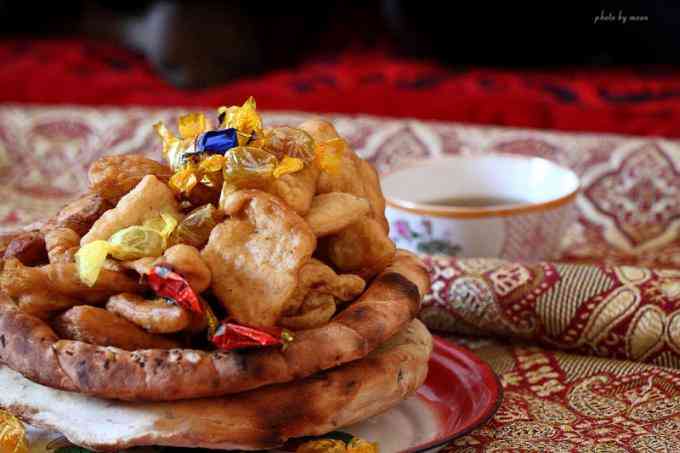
{"points": [[597, 66]]}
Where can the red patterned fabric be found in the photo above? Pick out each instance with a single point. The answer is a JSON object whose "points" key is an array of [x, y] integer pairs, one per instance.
{"points": [[642, 102]]}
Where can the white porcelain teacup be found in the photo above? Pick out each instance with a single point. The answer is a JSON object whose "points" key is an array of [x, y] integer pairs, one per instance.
{"points": [[495, 205]]}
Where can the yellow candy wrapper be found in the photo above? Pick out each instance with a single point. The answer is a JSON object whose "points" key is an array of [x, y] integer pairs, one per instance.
{"points": [[12, 434], [131, 243], [329, 155], [244, 119], [288, 165], [90, 259], [192, 125]]}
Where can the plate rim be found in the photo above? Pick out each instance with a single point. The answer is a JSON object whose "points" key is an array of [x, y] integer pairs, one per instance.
{"points": [[481, 419]]}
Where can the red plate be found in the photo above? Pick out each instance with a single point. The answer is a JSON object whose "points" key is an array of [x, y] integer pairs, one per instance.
{"points": [[461, 393]]}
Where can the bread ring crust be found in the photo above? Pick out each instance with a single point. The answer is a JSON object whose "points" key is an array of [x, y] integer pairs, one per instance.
{"points": [[388, 305]]}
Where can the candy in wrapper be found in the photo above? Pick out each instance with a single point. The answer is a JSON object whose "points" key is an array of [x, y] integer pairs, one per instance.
{"points": [[216, 142], [213, 322], [244, 119], [195, 229], [12, 434], [329, 155], [192, 125], [90, 259], [322, 446], [172, 285], [184, 179], [248, 167], [288, 141], [288, 165], [149, 239], [230, 336]]}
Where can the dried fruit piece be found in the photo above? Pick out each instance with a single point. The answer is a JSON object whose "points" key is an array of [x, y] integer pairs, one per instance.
{"points": [[195, 229], [289, 141]]}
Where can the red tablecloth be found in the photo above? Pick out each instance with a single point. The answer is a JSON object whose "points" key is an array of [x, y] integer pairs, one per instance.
{"points": [[635, 101]]}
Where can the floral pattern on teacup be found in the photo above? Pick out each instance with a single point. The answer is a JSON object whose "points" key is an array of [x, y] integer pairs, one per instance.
{"points": [[406, 236]]}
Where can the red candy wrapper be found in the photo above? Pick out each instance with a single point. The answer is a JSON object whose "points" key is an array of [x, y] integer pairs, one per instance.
{"points": [[167, 283], [230, 336]]}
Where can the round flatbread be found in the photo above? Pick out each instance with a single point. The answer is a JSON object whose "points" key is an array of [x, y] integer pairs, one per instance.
{"points": [[29, 346], [258, 419]]}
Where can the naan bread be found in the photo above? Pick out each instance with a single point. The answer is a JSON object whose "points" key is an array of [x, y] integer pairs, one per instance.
{"points": [[263, 418], [389, 304], [255, 256]]}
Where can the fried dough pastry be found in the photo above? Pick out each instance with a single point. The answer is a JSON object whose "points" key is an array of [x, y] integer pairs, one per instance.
{"points": [[332, 212], [146, 201], [114, 176], [80, 214], [61, 244], [54, 287], [29, 248], [316, 310], [364, 247], [63, 278], [153, 315], [255, 256], [315, 276], [97, 326], [187, 261], [297, 189]]}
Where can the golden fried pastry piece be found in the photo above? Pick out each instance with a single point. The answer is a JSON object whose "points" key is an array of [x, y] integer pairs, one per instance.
{"points": [[61, 244], [364, 247], [373, 192], [30, 289], [28, 247], [63, 279], [319, 278], [297, 189], [316, 310], [183, 259], [145, 202], [79, 214], [100, 327], [186, 260], [255, 256], [114, 176], [153, 315], [335, 211]]}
